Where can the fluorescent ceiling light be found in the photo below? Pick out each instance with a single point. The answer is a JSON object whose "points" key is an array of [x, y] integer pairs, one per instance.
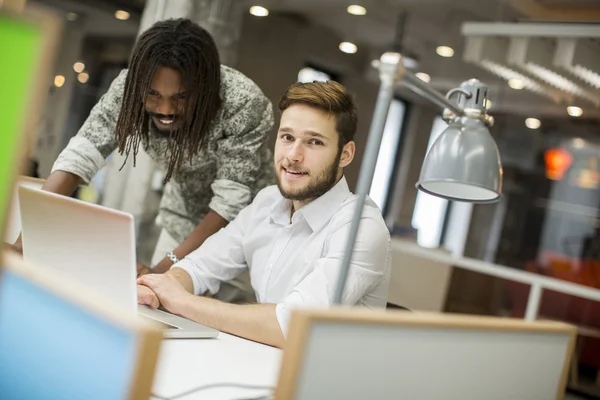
{"points": [[122, 15], [533, 123], [444, 51], [83, 77], [59, 80], [516, 83], [78, 67], [348, 47], [355, 9], [259, 11], [574, 111]]}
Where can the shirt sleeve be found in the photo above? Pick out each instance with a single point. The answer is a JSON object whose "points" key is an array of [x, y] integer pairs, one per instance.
{"points": [[86, 152], [220, 258], [248, 121], [369, 264]]}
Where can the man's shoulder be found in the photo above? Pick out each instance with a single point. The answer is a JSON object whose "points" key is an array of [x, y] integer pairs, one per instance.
{"points": [[237, 89], [371, 215]]}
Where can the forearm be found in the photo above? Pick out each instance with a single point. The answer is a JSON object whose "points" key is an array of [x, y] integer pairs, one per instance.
{"points": [[62, 182], [257, 322], [209, 225]]}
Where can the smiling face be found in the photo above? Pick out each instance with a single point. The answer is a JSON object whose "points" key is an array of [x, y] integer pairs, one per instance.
{"points": [[166, 100], [308, 160]]}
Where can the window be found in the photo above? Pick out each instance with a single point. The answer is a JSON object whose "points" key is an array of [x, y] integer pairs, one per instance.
{"points": [[388, 151], [430, 211]]}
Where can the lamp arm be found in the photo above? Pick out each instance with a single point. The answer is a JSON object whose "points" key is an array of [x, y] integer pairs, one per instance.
{"points": [[420, 87]]}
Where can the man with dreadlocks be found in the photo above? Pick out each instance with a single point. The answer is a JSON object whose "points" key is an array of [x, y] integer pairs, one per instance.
{"points": [[204, 123]]}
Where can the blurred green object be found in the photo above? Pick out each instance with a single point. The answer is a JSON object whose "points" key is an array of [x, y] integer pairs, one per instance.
{"points": [[19, 48]]}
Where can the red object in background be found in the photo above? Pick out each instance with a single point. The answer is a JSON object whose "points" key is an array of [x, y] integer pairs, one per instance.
{"points": [[557, 162]]}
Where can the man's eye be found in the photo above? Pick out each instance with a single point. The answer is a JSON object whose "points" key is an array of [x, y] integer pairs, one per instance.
{"points": [[287, 137], [180, 96], [152, 93], [316, 142]]}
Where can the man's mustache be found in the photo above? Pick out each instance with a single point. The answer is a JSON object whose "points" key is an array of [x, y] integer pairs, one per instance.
{"points": [[162, 116]]}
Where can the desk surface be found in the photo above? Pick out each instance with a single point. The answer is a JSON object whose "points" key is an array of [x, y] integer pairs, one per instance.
{"points": [[185, 364]]}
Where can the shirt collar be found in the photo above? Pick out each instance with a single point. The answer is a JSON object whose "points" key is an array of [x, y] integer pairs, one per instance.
{"points": [[318, 211]]}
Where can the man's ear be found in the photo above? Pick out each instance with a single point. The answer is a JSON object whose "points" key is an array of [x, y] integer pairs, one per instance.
{"points": [[347, 154]]}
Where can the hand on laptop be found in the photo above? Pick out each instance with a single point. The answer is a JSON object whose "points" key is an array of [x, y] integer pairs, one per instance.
{"points": [[147, 297], [162, 289]]}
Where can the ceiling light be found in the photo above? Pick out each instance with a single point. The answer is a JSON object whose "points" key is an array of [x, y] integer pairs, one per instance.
{"points": [[533, 123], [423, 76], [516, 84], [259, 11], [83, 77], [348, 47], [355, 9], [574, 111], [78, 67], [59, 80], [488, 104], [122, 15], [444, 51], [71, 16], [578, 143]]}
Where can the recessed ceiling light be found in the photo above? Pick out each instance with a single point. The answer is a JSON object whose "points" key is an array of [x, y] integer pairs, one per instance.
{"points": [[71, 16], [259, 11], [444, 51], [59, 80], [578, 143], [348, 47], [122, 15], [533, 123], [488, 104], [78, 67], [355, 9], [516, 84], [83, 77], [423, 76], [575, 111]]}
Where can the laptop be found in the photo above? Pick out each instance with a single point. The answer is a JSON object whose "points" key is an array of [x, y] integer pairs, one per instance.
{"points": [[94, 245]]}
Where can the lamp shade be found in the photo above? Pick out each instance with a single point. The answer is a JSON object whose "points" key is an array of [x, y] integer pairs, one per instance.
{"points": [[463, 164]]}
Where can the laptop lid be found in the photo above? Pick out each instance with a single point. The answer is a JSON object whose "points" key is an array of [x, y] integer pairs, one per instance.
{"points": [[56, 228]]}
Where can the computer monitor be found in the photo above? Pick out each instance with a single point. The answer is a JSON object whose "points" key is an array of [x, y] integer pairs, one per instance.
{"points": [[364, 354], [61, 341]]}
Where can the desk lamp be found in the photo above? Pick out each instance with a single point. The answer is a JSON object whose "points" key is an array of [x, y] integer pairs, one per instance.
{"points": [[463, 164]]}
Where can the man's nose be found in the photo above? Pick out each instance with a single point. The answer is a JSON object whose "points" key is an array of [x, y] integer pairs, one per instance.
{"points": [[296, 153], [165, 107]]}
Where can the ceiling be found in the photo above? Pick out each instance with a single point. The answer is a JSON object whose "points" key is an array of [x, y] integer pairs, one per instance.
{"points": [[429, 23]]}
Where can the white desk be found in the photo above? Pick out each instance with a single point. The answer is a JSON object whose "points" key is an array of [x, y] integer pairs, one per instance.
{"points": [[185, 364]]}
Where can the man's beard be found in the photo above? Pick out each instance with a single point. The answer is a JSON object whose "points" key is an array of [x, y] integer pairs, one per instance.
{"points": [[326, 180]]}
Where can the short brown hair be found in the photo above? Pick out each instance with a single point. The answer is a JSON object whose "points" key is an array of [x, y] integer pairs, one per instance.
{"points": [[330, 97]]}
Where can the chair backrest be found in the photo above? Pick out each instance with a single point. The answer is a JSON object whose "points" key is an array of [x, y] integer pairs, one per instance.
{"points": [[59, 340], [364, 354]]}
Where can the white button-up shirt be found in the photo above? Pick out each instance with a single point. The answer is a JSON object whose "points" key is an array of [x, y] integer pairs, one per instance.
{"points": [[295, 262]]}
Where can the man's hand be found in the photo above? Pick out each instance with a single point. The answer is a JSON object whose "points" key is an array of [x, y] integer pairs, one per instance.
{"points": [[170, 293], [142, 270], [147, 297]]}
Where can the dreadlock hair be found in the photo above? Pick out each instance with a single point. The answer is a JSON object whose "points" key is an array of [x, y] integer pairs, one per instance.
{"points": [[184, 46]]}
